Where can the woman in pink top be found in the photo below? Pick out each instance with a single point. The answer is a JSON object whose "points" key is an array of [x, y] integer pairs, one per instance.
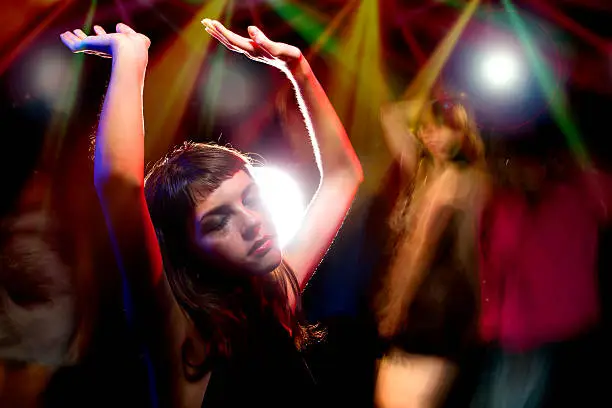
{"points": [[538, 253]]}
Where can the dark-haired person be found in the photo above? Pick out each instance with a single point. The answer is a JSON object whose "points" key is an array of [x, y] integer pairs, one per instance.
{"points": [[223, 306]]}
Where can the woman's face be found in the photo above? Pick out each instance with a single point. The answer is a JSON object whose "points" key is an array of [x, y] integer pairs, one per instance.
{"points": [[233, 231], [442, 142]]}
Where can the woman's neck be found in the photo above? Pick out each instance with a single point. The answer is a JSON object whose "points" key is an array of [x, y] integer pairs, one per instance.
{"points": [[438, 167]]}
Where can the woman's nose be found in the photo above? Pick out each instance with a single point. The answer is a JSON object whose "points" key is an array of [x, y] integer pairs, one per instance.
{"points": [[252, 225]]}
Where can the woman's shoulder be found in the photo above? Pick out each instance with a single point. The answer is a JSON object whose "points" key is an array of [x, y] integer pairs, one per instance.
{"points": [[464, 188]]}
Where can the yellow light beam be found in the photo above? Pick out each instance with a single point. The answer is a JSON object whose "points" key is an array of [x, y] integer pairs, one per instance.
{"points": [[348, 61], [331, 29], [420, 87], [359, 86], [172, 77]]}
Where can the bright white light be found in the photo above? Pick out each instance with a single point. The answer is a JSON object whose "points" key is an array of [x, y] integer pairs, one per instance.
{"points": [[46, 75], [284, 199], [51, 75], [501, 70]]}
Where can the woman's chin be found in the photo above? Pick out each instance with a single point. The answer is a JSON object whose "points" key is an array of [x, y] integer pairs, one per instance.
{"points": [[275, 261], [268, 264]]}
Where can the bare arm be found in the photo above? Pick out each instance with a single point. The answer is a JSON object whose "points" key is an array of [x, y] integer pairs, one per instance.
{"points": [[119, 181], [341, 175], [409, 267], [340, 169], [402, 144]]}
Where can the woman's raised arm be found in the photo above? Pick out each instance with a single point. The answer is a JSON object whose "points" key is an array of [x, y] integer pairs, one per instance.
{"points": [[402, 143], [340, 169], [119, 182]]}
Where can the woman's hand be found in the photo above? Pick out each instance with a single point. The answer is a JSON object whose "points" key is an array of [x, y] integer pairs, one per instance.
{"points": [[125, 41], [258, 47]]}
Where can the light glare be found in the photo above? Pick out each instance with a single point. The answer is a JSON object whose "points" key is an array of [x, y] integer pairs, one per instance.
{"points": [[284, 200], [500, 70]]}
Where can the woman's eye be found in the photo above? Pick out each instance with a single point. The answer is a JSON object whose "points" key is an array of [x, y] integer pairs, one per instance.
{"points": [[215, 225]]}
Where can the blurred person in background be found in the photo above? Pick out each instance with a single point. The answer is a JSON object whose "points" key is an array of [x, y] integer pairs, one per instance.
{"points": [[37, 316], [539, 291], [427, 303]]}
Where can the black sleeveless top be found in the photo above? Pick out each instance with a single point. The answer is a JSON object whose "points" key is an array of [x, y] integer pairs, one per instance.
{"points": [[442, 318], [268, 371]]}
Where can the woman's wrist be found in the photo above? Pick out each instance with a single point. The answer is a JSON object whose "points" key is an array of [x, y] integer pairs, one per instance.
{"points": [[126, 54], [300, 69]]}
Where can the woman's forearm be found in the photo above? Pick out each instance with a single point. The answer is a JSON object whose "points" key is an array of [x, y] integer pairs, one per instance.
{"points": [[119, 150], [335, 155], [401, 142], [341, 175]]}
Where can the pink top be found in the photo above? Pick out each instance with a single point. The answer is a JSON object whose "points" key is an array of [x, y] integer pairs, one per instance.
{"points": [[538, 263]]}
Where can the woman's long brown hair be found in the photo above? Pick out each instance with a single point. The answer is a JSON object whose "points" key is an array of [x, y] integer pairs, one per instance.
{"points": [[397, 289], [223, 306]]}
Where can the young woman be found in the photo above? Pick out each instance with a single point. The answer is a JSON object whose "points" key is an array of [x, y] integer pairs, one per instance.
{"points": [[426, 307], [225, 303], [541, 288]]}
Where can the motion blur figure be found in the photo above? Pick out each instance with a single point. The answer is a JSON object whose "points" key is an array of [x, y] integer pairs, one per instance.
{"points": [[36, 300], [427, 304], [539, 287]]}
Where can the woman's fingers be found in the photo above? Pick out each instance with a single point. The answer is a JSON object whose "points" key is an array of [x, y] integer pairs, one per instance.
{"points": [[210, 29], [98, 45], [99, 30], [257, 47], [223, 40], [79, 33], [124, 28], [236, 40], [70, 40], [271, 48], [217, 36], [101, 43], [263, 41]]}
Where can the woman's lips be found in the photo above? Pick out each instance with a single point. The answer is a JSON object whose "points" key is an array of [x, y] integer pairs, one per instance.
{"points": [[262, 246]]}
